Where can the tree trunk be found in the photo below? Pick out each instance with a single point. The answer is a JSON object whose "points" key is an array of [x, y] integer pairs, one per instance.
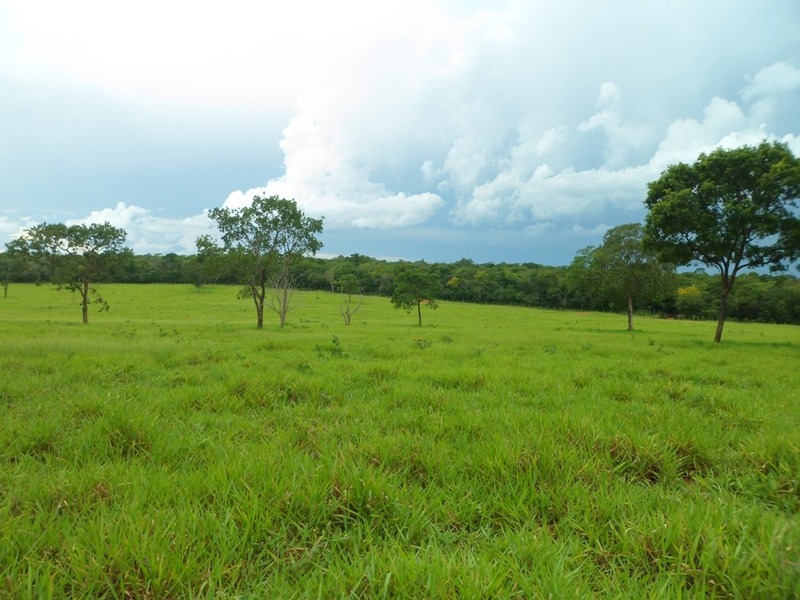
{"points": [[85, 301], [419, 312], [259, 292], [284, 303], [283, 300], [723, 312], [259, 303], [346, 312], [630, 313]]}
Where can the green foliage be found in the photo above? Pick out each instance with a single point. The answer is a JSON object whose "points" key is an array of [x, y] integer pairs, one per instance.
{"points": [[349, 284], [775, 298], [621, 269], [414, 286], [690, 301], [76, 254], [6, 266], [334, 349], [259, 243], [730, 210]]}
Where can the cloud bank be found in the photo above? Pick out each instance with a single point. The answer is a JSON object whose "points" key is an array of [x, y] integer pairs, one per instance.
{"points": [[515, 132]]}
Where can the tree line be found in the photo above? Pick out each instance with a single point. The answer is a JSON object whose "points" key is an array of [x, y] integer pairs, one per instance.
{"points": [[758, 297], [730, 211]]}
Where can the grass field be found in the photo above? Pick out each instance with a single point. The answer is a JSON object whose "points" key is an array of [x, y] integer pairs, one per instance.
{"points": [[169, 449]]}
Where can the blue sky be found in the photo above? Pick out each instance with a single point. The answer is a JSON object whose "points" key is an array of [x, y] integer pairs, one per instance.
{"points": [[514, 131]]}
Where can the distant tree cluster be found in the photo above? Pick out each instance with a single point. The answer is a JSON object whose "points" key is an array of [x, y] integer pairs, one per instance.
{"points": [[758, 297]]}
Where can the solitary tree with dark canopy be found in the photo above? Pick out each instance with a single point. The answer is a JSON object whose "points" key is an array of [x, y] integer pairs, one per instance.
{"points": [[78, 255], [730, 210], [260, 242], [416, 285]]}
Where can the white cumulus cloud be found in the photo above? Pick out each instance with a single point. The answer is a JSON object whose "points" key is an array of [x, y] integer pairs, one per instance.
{"points": [[326, 181], [528, 188], [11, 227], [491, 121], [150, 233]]}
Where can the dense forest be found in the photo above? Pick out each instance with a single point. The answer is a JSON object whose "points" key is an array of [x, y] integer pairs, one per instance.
{"points": [[694, 295]]}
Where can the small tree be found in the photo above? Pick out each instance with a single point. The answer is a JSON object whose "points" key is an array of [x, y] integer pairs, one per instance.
{"points": [[78, 255], [730, 210], [330, 277], [690, 301], [259, 243], [297, 236], [415, 286], [623, 270], [349, 286], [6, 262], [281, 300]]}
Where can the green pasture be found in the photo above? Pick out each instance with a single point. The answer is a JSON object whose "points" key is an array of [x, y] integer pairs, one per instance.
{"points": [[169, 449]]}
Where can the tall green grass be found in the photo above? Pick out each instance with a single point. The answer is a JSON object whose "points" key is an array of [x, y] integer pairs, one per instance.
{"points": [[170, 449]]}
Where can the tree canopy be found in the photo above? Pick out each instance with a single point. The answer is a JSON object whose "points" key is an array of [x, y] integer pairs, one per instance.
{"points": [[414, 286], [77, 255], [259, 242], [622, 269], [730, 210]]}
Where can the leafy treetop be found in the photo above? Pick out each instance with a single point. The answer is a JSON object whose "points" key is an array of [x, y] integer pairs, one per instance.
{"points": [[77, 254], [730, 210]]}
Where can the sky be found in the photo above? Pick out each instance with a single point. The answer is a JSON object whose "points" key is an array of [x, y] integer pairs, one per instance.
{"points": [[499, 131]]}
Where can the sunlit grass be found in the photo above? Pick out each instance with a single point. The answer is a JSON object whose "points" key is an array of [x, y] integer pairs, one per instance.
{"points": [[171, 449]]}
